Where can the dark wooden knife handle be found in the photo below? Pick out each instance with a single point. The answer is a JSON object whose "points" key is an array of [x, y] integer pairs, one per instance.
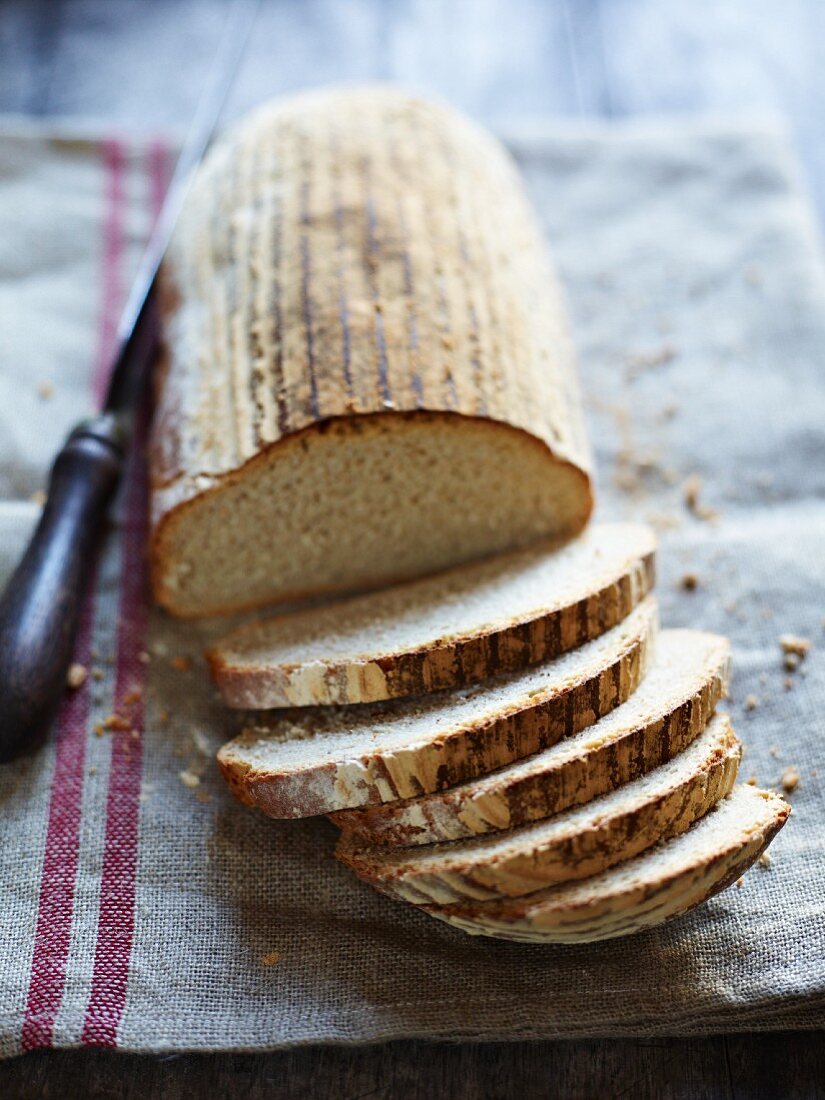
{"points": [[40, 608]]}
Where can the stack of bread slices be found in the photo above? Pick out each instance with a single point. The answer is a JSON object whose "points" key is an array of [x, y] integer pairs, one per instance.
{"points": [[368, 379], [513, 746]]}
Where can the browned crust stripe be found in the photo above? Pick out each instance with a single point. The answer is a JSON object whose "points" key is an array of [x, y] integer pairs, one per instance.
{"points": [[610, 840], [456, 662], [718, 874], [542, 793]]}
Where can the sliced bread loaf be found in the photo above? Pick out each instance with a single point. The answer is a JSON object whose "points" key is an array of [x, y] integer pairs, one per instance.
{"points": [[368, 374], [648, 890], [573, 845], [314, 761], [684, 682], [458, 627]]}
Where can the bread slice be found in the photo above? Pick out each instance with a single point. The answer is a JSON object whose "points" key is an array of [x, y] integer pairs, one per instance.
{"points": [[573, 845], [686, 678], [455, 628], [367, 374], [314, 761], [652, 888]]}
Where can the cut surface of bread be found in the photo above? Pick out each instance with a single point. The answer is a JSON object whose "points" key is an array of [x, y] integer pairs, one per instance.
{"points": [[662, 883], [361, 504], [458, 627], [681, 687], [573, 845], [367, 370], [308, 761]]}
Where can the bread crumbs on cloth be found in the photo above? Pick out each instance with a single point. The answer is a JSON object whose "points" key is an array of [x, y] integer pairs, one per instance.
{"points": [[792, 644], [790, 780], [76, 676], [271, 959], [691, 495]]}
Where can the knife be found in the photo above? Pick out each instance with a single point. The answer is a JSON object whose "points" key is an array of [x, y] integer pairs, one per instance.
{"points": [[40, 607]]}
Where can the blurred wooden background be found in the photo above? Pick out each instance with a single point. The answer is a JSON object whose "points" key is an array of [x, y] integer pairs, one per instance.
{"points": [[140, 64]]}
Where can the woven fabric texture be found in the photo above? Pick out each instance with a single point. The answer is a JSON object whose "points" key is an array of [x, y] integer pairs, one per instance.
{"points": [[142, 908]]}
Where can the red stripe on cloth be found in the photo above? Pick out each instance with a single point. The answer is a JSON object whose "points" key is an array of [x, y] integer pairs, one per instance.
{"points": [[116, 921], [117, 886], [59, 872], [58, 875]]}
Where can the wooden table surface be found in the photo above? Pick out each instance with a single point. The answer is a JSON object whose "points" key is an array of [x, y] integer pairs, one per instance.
{"points": [[140, 64]]}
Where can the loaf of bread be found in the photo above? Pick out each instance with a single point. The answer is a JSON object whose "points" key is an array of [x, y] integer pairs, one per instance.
{"points": [[367, 372], [367, 381]]}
